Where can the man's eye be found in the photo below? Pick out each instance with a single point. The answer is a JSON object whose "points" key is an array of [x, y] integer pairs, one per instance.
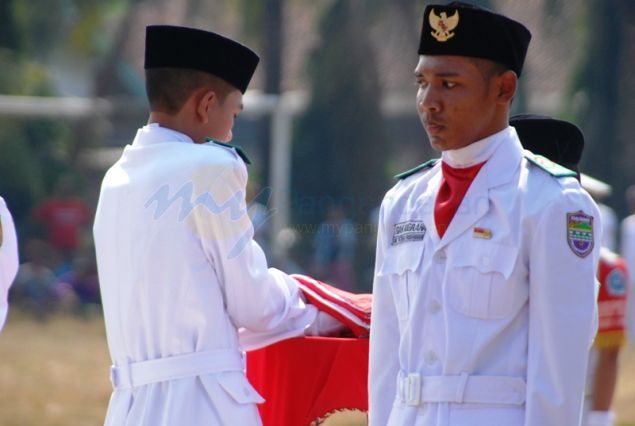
{"points": [[420, 83], [449, 84]]}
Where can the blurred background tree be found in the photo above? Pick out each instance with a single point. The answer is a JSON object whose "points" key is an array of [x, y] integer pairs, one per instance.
{"points": [[602, 93], [339, 146]]}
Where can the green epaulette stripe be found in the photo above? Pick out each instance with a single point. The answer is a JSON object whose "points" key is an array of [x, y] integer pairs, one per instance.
{"points": [[427, 165], [239, 149], [549, 166]]}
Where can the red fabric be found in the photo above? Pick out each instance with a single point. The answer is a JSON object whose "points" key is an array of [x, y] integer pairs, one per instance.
{"points": [[304, 379], [64, 219], [454, 185], [613, 278], [353, 310]]}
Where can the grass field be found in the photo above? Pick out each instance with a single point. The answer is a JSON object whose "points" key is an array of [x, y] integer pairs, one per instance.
{"points": [[56, 373]]}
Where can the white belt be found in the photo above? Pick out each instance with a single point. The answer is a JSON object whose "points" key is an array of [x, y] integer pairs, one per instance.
{"points": [[415, 389], [127, 375]]}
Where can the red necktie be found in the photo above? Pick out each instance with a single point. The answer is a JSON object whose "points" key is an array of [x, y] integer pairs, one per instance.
{"points": [[454, 185]]}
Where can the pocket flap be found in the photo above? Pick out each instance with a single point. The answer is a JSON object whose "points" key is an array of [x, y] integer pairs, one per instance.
{"points": [[487, 257], [401, 258], [239, 388]]}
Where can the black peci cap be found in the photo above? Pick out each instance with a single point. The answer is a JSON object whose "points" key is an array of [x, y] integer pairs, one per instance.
{"points": [[181, 47], [466, 30], [560, 141]]}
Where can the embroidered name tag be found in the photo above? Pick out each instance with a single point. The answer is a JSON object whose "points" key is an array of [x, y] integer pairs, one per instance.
{"points": [[408, 231]]}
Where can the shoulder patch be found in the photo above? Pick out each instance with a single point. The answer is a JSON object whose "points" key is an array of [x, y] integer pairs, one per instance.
{"points": [[549, 166], [239, 149], [427, 165]]}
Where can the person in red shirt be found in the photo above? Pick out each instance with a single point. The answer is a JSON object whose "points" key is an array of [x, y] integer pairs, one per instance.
{"points": [[64, 217], [603, 362]]}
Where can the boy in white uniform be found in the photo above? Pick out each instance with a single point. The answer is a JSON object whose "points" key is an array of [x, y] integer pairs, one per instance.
{"points": [[179, 271]]}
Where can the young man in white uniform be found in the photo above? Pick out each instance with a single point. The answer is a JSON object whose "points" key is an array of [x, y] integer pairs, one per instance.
{"points": [[179, 271], [484, 294], [9, 261]]}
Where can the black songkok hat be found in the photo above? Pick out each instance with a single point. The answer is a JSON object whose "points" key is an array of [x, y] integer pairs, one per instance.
{"points": [[466, 30], [180, 47], [560, 141]]}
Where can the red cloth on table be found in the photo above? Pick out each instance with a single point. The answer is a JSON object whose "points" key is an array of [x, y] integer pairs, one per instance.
{"points": [[353, 310], [306, 379], [454, 185]]}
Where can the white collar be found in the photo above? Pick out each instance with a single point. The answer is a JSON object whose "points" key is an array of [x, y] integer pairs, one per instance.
{"points": [[154, 133], [476, 152]]}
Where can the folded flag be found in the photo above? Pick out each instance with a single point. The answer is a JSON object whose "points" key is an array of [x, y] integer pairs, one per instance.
{"points": [[352, 309]]}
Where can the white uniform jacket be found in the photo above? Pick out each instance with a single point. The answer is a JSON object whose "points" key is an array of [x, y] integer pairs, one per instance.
{"points": [[491, 324], [8, 258], [179, 275]]}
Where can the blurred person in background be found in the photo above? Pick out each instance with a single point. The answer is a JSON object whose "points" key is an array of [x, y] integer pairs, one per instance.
{"points": [[600, 191], [64, 218], [335, 242], [179, 272], [9, 260], [82, 283], [610, 339], [34, 287], [484, 295], [627, 250], [563, 143]]}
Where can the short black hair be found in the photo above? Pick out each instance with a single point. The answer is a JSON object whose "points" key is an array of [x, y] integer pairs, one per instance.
{"points": [[169, 88]]}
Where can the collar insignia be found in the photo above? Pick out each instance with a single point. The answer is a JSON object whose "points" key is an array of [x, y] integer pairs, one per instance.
{"points": [[443, 25], [239, 149]]}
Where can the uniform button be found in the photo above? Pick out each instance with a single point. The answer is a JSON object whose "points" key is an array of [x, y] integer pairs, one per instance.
{"points": [[440, 256], [431, 357], [434, 307], [485, 261]]}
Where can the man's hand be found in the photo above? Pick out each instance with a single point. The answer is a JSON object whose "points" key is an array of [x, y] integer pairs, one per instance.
{"points": [[326, 325]]}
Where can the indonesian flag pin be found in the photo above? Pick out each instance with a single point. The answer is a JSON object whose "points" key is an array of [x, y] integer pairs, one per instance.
{"points": [[484, 233]]}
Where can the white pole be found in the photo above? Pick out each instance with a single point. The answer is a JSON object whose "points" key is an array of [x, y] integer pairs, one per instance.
{"points": [[289, 105]]}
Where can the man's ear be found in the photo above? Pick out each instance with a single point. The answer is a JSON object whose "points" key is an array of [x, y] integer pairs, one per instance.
{"points": [[204, 100], [507, 85]]}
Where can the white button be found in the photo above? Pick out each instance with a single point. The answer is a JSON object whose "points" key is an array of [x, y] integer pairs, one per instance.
{"points": [[485, 261], [434, 307], [431, 357]]}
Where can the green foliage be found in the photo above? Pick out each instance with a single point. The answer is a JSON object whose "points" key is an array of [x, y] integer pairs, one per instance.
{"points": [[34, 152], [596, 82]]}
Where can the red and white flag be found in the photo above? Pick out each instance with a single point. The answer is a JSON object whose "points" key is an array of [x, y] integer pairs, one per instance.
{"points": [[352, 309]]}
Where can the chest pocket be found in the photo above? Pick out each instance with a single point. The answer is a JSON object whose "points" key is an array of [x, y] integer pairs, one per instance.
{"points": [[479, 283], [398, 271]]}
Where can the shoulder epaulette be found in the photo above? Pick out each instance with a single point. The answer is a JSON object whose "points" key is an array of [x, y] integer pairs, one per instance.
{"points": [[549, 166], [239, 149], [427, 165]]}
